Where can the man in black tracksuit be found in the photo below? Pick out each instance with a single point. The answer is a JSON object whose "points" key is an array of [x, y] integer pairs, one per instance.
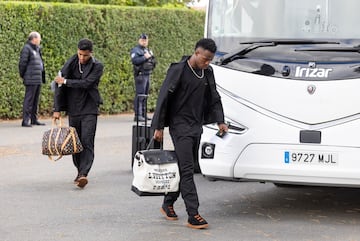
{"points": [[187, 100], [77, 93], [32, 71]]}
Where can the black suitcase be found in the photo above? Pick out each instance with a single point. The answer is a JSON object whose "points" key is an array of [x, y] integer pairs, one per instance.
{"points": [[142, 134]]}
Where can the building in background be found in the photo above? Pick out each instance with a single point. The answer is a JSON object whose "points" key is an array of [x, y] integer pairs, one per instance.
{"points": [[198, 4]]}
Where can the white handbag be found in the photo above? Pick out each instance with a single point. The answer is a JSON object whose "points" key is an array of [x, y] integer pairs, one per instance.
{"points": [[156, 172]]}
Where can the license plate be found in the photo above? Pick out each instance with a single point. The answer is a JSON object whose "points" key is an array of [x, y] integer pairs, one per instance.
{"points": [[308, 157]]}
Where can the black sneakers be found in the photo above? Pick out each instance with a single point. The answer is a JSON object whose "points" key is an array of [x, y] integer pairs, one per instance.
{"points": [[197, 222], [169, 212], [37, 123], [139, 118]]}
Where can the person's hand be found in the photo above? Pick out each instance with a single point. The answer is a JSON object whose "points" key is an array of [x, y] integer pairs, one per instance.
{"points": [[59, 80], [147, 55], [56, 115], [159, 135], [223, 128]]}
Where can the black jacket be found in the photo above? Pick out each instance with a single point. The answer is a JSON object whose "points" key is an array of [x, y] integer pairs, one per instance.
{"points": [[213, 110], [31, 67], [80, 95], [140, 63]]}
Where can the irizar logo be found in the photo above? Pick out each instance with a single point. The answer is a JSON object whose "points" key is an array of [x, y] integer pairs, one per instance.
{"points": [[312, 72]]}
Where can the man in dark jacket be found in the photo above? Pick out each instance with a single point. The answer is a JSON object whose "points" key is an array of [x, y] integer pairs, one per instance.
{"points": [[188, 99], [144, 62], [77, 93], [31, 69]]}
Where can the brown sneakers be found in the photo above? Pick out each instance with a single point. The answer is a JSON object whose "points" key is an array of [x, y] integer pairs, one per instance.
{"points": [[81, 181]]}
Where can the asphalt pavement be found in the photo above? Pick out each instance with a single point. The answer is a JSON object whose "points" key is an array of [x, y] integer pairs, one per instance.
{"points": [[39, 202]]}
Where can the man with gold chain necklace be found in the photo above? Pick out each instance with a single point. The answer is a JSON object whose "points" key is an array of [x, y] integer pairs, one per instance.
{"points": [[188, 99]]}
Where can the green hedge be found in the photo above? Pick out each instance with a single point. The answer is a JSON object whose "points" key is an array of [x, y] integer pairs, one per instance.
{"points": [[114, 31]]}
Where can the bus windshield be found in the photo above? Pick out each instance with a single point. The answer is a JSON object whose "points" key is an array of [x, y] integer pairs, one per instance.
{"points": [[231, 22], [288, 73]]}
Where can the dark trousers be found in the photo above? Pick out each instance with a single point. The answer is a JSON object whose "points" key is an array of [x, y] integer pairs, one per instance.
{"points": [[85, 126], [30, 104], [142, 86], [186, 149]]}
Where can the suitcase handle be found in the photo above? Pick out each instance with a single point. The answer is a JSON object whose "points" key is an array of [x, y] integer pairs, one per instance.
{"points": [[137, 119]]}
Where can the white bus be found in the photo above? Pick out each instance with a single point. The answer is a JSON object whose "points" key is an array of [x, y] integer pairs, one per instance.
{"points": [[288, 73]]}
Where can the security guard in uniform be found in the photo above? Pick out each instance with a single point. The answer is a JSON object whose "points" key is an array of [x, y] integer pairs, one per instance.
{"points": [[144, 62]]}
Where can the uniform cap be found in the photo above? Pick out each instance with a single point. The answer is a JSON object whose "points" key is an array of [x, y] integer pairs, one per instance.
{"points": [[143, 36]]}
